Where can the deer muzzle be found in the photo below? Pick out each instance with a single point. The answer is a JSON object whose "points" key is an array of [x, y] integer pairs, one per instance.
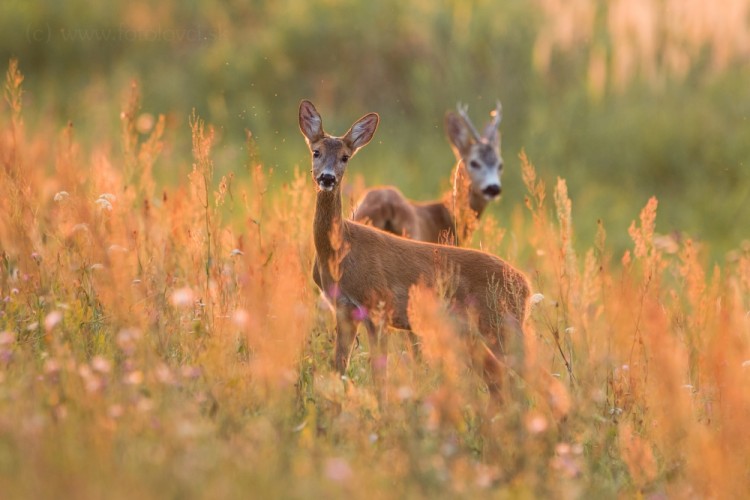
{"points": [[326, 181], [492, 191]]}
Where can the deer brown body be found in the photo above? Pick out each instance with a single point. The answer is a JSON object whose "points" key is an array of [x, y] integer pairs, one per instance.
{"points": [[362, 269], [476, 181]]}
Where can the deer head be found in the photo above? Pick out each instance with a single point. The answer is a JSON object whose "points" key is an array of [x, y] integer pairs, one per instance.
{"points": [[330, 154], [480, 154]]}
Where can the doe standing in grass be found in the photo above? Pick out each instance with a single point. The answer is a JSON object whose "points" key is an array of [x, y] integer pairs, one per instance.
{"points": [[360, 268]]}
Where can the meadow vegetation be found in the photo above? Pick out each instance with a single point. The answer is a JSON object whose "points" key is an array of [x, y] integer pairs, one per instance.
{"points": [[625, 100], [160, 333]]}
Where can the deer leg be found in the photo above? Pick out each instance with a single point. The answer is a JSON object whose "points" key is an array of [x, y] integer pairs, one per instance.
{"points": [[416, 345], [491, 353], [503, 355], [378, 354], [493, 372], [346, 334]]}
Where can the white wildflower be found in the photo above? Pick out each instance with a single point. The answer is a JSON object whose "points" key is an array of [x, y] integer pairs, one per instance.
{"points": [[104, 204], [51, 367], [338, 470], [62, 195], [115, 411], [144, 405], [182, 297], [101, 364], [116, 248], [7, 338], [133, 378], [164, 374], [404, 392], [240, 318], [52, 320], [536, 423], [190, 372]]}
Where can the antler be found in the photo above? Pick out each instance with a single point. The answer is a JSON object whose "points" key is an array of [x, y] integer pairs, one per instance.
{"points": [[463, 113], [497, 115]]}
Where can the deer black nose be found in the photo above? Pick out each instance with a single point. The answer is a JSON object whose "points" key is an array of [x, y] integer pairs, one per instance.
{"points": [[327, 181], [492, 190]]}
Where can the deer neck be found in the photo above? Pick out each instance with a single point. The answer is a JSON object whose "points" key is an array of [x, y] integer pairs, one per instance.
{"points": [[328, 223], [462, 196], [463, 204], [477, 202]]}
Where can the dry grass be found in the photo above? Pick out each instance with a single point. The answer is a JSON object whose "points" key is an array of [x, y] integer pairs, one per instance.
{"points": [[654, 41], [149, 348]]}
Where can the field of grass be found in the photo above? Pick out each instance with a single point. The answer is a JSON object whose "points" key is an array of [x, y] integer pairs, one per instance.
{"points": [[624, 99], [168, 341]]}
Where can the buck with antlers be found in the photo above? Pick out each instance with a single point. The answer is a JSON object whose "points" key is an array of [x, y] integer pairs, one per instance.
{"points": [[476, 181], [360, 268]]}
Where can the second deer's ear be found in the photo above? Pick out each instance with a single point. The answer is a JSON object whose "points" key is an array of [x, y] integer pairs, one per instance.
{"points": [[310, 123], [362, 131], [492, 135], [458, 133], [491, 132]]}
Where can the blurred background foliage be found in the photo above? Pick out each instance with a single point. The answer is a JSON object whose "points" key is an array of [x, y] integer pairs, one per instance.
{"points": [[625, 99]]}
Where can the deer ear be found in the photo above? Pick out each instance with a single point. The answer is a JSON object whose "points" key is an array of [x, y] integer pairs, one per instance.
{"points": [[492, 135], [310, 122], [362, 131], [458, 133], [491, 130]]}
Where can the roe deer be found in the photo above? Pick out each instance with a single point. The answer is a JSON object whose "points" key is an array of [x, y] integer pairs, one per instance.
{"points": [[362, 269], [476, 181]]}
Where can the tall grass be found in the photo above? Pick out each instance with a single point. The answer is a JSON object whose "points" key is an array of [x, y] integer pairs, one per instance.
{"points": [[645, 95], [626, 41], [149, 347]]}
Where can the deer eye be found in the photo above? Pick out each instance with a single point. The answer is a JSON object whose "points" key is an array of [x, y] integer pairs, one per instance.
{"points": [[316, 154], [344, 159], [474, 164]]}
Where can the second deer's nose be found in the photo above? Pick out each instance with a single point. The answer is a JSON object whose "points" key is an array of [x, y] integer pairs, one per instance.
{"points": [[492, 190]]}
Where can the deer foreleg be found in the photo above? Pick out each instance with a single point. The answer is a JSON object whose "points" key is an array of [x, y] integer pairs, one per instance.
{"points": [[346, 334], [493, 372], [378, 353]]}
